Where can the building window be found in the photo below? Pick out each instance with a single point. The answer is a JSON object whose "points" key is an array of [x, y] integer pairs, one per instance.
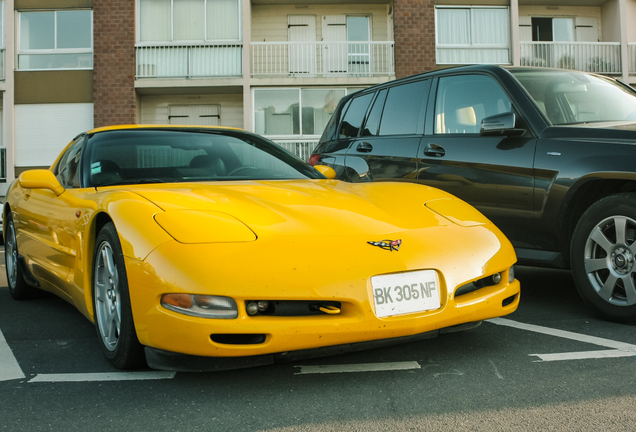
{"points": [[553, 29], [294, 112], [472, 35], [189, 20], [55, 40]]}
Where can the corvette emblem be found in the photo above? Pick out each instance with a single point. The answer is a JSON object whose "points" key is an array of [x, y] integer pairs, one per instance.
{"points": [[390, 245]]}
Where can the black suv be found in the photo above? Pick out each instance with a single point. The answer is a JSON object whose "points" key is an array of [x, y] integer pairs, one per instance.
{"points": [[548, 155]]}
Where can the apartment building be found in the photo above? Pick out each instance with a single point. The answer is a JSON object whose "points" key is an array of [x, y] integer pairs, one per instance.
{"points": [[276, 67]]}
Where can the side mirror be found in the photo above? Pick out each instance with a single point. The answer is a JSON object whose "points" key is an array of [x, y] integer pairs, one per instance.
{"points": [[40, 179], [327, 171], [500, 125]]}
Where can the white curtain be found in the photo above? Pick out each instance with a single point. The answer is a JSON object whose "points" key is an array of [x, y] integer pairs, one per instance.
{"points": [[490, 26], [453, 26], [223, 20], [154, 20], [189, 20], [470, 29]]}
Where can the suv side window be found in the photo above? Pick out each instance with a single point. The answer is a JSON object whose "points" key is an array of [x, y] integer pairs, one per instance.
{"points": [[402, 109], [68, 169], [372, 124], [463, 101], [352, 120]]}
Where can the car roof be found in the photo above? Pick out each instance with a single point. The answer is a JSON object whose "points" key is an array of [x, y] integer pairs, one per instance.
{"points": [[161, 126], [492, 68]]}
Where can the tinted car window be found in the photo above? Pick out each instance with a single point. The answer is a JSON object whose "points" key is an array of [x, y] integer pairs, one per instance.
{"points": [[330, 132], [352, 120], [67, 171], [156, 156], [463, 101], [567, 97], [402, 109], [373, 122]]}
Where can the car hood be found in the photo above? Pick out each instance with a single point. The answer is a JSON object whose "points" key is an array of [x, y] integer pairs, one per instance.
{"points": [[317, 206]]}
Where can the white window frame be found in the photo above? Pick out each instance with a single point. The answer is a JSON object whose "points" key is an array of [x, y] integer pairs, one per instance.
{"points": [[182, 42], [3, 24], [20, 51], [300, 110], [472, 28]]}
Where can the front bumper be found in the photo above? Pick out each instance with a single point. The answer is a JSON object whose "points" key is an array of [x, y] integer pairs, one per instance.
{"points": [[171, 361], [308, 271]]}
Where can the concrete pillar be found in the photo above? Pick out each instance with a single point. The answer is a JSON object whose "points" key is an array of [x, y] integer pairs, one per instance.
{"points": [[514, 33], [247, 65], [8, 105]]}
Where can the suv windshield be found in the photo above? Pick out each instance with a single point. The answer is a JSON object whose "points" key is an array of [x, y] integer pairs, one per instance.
{"points": [[567, 97], [164, 156]]}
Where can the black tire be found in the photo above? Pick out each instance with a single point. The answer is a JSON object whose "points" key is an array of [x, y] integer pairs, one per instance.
{"points": [[18, 287], [603, 257], [111, 303]]}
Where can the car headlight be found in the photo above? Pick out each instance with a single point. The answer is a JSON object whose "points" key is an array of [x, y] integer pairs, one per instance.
{"points": [[205, 306], [198, 226], [457, 211]]}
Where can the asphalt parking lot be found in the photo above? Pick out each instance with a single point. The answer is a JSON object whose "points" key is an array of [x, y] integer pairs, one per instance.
{"points": [[549, 366]]}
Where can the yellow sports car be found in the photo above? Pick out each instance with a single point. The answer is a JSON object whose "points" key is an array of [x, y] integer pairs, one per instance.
{"points": [[197, 248]]}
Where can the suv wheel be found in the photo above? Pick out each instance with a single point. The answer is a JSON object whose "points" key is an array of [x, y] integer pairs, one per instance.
{"points": [[603, 257]]}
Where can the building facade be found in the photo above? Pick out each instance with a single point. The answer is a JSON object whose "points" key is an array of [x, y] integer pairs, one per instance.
{"points": [[275, 67]]}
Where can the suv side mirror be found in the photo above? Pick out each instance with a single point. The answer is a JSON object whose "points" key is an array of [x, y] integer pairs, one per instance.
{"points": [[40, 179], [500, 125]]}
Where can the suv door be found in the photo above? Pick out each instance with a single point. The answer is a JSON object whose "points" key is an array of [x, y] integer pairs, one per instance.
{"points": [[493, 173], [386, 148]]}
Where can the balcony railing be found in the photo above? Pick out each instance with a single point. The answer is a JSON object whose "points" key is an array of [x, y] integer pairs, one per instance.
{"points": [[301, 148], [601, 57], [187, 61], [322, 59]]}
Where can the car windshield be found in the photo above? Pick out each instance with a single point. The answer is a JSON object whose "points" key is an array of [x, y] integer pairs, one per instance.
{"points": [[139, 156], [567, 97]]}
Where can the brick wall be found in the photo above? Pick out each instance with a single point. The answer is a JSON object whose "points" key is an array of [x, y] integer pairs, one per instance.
{"points": [[114, 62], [414, 32]]}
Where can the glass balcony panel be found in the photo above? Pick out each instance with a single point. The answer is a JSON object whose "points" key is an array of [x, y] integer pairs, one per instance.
{"points": [[55, 61], [171, 61]]}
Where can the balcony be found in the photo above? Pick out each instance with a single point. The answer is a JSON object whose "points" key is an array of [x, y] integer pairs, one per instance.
{"points": [[600, 57], [300, 147], [189, 61], [322, 59]]}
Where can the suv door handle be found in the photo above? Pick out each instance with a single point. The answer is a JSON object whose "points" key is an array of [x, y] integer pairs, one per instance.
{"points": [[364, 147], [433, 150]]}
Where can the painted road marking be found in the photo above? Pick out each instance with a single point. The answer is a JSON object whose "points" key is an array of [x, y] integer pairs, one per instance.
{"points": [[363, 367], [621, 349], [106, 376], [9, 367], [583, 355]]}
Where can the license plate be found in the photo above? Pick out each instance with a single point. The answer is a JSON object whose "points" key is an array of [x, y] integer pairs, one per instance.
{"points": [[404, 293]]}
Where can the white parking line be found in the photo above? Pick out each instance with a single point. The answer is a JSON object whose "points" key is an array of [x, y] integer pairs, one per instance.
{"points": [[581, 355], [364, 367], [621, 349], [9, 367], [106, 376]]}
